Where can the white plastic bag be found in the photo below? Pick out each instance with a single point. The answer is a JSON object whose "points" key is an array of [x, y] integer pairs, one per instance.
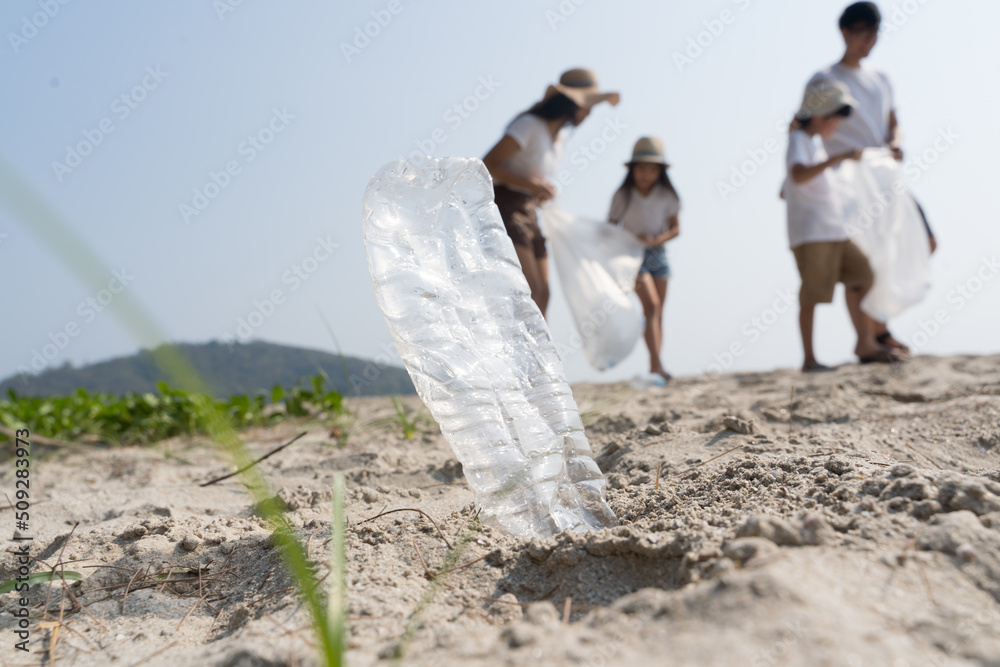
{"points": [[597, 264], [883, 220]]}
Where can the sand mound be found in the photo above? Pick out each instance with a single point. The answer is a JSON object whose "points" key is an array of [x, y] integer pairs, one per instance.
{"points": [[766, 518]]}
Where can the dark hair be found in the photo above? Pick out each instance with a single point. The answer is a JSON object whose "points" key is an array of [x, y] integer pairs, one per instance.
{"points": [[865, 13], [628, 185], [556, 107], [844, 111]]}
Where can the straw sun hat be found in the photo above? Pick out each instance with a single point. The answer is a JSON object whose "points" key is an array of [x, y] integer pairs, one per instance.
{"points": [[648, 149], [580, 85]]}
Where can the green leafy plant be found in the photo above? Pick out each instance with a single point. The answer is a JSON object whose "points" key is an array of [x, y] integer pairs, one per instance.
{"points": [[148, 417], [410, 424]]}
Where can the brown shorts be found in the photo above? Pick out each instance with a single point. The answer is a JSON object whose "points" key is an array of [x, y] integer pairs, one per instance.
{"points": [[520, 219], [822, 265]]}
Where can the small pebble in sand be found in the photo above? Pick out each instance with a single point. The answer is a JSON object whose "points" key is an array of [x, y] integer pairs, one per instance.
{"points": [[653, 429], [738, 425], [966, 552], [228, 548], [133, 532], [190, 543]]}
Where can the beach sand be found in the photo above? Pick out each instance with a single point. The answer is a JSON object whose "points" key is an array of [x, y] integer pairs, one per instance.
{"points": [[774, 518]]}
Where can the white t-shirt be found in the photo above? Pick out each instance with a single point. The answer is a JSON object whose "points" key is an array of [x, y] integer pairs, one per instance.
{"points": [[814, 211], [645, 215], [868, 125], [539, 156]]}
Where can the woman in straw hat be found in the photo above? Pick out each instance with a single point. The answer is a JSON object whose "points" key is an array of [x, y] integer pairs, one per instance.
{"points": [[647, 205], [525, 161]]}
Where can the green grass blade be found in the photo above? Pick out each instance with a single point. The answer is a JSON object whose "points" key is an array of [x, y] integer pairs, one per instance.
{"points": [[337, 596], [39, 577]]}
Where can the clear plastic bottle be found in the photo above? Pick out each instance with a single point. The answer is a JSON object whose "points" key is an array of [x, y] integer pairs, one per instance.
{"points": [[459, 308]]}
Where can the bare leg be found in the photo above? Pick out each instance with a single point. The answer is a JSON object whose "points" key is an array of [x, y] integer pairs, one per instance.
{"points": [[661, 291], [652, 308], [807, 312], [537, 281], [543, 290], [865, 326]]}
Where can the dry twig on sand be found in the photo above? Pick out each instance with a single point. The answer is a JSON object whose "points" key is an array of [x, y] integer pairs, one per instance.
{"points": [[408, 509], [250, 465], [698, 465], [917, 451]]}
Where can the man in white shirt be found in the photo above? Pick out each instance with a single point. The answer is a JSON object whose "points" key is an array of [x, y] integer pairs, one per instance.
{"points": [[873, 123]]}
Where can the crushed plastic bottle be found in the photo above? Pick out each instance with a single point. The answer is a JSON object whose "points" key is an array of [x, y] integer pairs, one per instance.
{"points": [[477, 348]]}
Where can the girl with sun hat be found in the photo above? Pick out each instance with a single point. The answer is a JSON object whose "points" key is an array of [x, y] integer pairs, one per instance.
{"points": [[647, 205]]}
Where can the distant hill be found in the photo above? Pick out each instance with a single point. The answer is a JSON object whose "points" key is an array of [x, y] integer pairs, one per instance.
{"points": [[245, 368]]}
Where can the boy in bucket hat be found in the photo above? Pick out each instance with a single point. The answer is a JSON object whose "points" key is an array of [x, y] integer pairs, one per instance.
{"points": [[817, 231], [525, 162]]}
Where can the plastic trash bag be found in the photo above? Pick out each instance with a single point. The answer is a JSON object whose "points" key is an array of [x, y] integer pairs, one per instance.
{"points": [[597, 264], [883, 220]]}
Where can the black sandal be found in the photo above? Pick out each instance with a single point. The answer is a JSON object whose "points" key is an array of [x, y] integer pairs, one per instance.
{"points": [[882, 339], [886, 356]]}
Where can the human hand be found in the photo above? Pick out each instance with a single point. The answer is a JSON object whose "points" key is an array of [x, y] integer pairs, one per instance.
{"points": [[850, 155], [542, 190], [897, 152], [647, 239]]}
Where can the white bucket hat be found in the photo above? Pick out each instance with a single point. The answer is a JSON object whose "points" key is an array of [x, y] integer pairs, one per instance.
{"points": [[824, 98]]}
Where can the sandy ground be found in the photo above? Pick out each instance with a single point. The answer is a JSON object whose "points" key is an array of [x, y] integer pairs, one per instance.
{"points": [[851, 518]]}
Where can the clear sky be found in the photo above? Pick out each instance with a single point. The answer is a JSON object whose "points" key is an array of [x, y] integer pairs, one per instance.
{"points": [[214, 155]]}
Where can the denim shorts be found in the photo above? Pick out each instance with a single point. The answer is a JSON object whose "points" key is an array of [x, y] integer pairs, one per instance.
{"points": [[655, 262]]}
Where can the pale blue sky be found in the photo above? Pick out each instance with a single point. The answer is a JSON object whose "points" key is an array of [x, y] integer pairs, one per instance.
{"points": [[279, 71]]}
